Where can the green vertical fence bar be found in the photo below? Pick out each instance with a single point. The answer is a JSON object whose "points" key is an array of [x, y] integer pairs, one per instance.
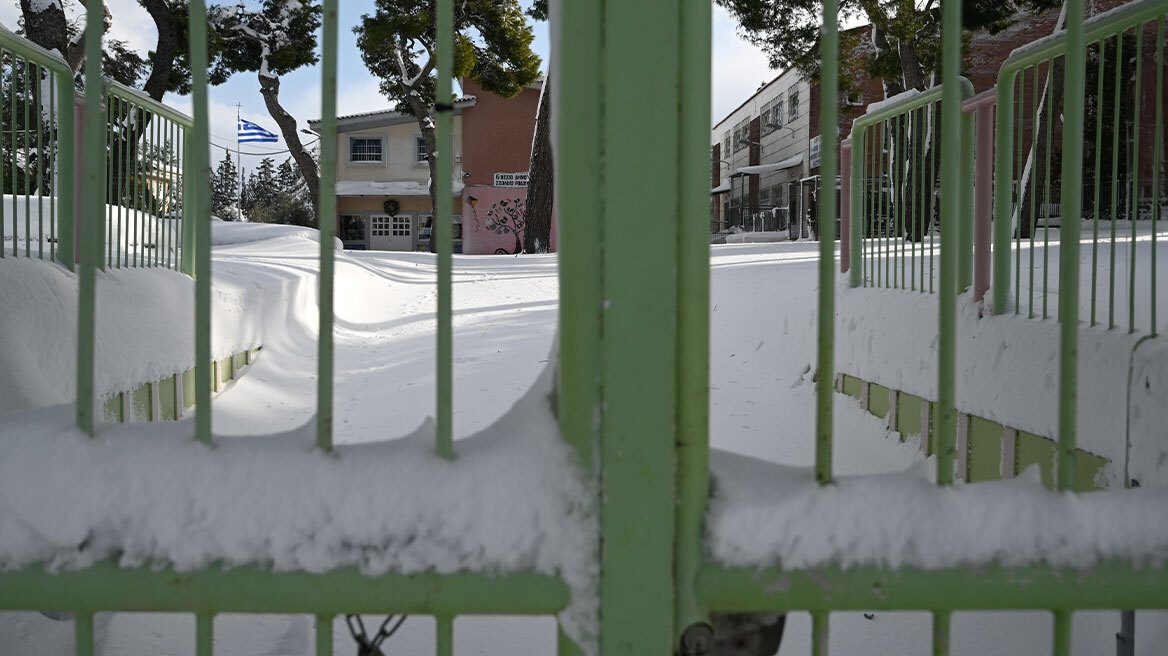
{"points": [[26, 84], [819, 632], [828, 114], [859, 176], [83, 628], [640, 128], [1062, 633], [1050, 92], [324, 635], [327, 223], [1114, 176], [40, 175], [90, 242], [579, 165], [187, 253], [442, 229], [1157, 158], [941, 626], [693, 308], [1072, 199], [444, 631], [951, 169], [12, 156], [199, 217], [965, 238], [204, 622], [1095, 189], [1135, 179], [65, 177]]}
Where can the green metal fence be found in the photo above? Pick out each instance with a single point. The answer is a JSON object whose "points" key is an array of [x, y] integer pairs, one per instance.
{"points": [[1120, 175], [632, 371], [143, 165], [895, 210], [144, 173], [36, 119]]}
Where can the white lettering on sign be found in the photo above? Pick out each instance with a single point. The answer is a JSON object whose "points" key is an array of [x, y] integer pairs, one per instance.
{"points": [[511, 179], [816, 145]]}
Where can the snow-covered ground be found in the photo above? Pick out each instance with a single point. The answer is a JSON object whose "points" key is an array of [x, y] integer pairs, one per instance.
{"points": [[762, 405]]}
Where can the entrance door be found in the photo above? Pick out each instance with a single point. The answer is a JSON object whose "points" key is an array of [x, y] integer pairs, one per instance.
{"points": [[391, 233]]}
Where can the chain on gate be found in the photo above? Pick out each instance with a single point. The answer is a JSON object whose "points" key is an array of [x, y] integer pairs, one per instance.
{"points": [[371, 646]]}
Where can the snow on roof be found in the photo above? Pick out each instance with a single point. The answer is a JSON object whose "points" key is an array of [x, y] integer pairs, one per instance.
{"points": [[794, 160], [350, 188], [724, 187]]}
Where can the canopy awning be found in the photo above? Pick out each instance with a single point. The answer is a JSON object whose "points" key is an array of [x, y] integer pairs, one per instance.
{"points": [[794, 160], [721, 189]]}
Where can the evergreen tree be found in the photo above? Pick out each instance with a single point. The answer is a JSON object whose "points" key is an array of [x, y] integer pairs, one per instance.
{"points": [[224, 189], [492, 46], [264, 186]]}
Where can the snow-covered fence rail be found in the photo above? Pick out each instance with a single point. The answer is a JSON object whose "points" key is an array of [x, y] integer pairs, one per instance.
{"points": [[36, 130], [1121, 170], [894, 210]]}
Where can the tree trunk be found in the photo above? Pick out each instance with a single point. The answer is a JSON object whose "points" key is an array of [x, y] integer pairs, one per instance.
{"points": [[541, 181], [48, 29], [270, 90], [166, 49], [430, 136]]}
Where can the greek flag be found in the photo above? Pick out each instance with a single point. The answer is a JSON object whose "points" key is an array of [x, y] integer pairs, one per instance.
{"points": [[250, 132]]}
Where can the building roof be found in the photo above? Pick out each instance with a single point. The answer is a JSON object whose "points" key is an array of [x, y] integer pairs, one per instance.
{"points": [[407, 188], [384, 117]]}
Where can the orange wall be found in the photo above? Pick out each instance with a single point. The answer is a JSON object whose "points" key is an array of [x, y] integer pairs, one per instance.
{"points": [[497, 133]]}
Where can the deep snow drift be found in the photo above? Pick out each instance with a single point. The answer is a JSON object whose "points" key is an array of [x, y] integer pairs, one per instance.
{"points": [[762, 405]]}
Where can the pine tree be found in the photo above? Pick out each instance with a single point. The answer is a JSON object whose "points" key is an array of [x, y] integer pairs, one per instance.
{"points": [[264, 186], [224, 188]]}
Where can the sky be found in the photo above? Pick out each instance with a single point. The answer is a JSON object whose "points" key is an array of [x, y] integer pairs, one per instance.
{"points": [[739, 69]]}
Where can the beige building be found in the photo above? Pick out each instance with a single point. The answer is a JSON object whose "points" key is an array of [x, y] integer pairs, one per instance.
{"points": [[383, 195]]}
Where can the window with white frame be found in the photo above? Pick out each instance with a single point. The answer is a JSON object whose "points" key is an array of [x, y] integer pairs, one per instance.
{"points": [[366, 150], [420, 150], [793, 101], [401, 226]]}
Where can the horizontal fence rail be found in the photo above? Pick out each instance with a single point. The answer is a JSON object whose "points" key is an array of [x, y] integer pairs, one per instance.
{"points": [[894, 209], [1122, 182]]}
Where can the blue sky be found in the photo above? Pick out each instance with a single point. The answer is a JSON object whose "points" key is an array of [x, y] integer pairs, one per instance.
{"points": [[739, 68]]}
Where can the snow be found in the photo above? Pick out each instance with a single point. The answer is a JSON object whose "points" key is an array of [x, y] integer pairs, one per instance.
{"points": [[794, 160], [769, 515], [725, 186], [264, 495]]}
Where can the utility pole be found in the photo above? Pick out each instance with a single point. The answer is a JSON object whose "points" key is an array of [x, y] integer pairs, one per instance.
{"points": [[238, 163]]}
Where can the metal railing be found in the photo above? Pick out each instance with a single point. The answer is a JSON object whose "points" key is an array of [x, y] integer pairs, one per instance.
{"points": [[36, 129], [145, 148], [1120, 174], [894, 209], [633, 370], [143, 165]]}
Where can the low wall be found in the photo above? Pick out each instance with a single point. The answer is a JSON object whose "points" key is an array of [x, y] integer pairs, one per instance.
{"points": [[169, 399], [494, 220]]}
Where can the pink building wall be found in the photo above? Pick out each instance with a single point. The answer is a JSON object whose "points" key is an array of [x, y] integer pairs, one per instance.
{"points": [[494, 220]]}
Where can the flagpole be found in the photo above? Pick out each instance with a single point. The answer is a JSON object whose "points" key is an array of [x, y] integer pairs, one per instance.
{"points": [[238, 164]]}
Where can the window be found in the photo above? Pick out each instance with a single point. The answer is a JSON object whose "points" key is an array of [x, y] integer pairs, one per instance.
{"points": [[366, 150], [793, 101], [856, 97], [401, 226], [726, 145], [779, 109], [379, 227], [764, 196], [352, 227], [769, 120], [420, 149], [741, 134], [777, 195]]}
